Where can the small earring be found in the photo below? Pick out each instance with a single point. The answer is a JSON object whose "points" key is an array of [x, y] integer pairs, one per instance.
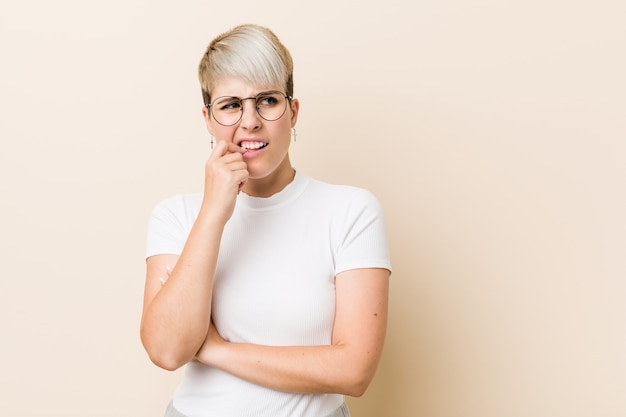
{"points": [[212, 142], [294, 133]]}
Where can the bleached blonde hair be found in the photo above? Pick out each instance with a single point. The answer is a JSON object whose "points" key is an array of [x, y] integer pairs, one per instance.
{"points": [[250, 52]]}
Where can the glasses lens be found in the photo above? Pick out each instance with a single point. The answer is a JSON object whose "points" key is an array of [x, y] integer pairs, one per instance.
{"points": [[271, 106], [226, 110]]}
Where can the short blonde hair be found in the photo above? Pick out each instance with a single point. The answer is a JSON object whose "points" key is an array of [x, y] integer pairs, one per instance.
{"points": [[251, 52]]}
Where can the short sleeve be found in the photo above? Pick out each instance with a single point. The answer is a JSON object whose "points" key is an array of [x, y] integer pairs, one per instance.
{"points": [[362, 240], [168, 227]]}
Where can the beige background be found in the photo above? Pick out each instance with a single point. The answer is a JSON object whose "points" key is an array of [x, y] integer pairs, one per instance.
{"points": [[492, 132]]}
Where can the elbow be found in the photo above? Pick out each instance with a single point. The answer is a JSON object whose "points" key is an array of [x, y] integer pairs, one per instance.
{"points": [[356, 384], [356, 389], [164, 356], [165, 361], [357, 373]]}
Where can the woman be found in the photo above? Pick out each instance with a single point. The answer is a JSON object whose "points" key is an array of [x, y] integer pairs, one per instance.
{"points": [[271, 287]]}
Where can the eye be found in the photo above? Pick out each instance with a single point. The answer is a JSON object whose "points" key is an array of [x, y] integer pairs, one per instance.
{"points": [[228, 104], [268, 100]]}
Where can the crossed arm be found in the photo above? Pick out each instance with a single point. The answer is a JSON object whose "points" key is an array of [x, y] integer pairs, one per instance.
{"points": [[346, 366]]}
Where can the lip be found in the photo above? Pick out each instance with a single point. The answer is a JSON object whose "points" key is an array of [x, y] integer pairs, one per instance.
{"points": [[240, 141], [252, 153], [252, 141]]}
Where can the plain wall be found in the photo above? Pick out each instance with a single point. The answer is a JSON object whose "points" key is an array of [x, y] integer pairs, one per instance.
{"points": [[493, 133]]}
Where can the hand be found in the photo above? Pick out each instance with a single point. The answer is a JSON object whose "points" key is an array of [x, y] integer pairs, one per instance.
{"points": [[225, 174]]}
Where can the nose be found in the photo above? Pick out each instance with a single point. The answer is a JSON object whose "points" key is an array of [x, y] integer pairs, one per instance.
{"points": [[250, 118]]}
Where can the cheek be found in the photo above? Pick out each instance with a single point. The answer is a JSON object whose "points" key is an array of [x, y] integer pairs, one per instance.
{"points": [[223, 133], [285, 128], [207, 121], [283, 134]]}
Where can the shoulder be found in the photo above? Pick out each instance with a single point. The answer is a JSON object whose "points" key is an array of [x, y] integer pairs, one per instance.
{"points": [[180, 202], [341, 195], [170, 222], [182, 208]]}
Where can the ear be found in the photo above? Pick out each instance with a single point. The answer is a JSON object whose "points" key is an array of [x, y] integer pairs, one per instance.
{"points": [[295, 108], [207, 120]]}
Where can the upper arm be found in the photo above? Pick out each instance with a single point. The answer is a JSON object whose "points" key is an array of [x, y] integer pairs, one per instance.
{"points": [[158, 268], [361, 315]]}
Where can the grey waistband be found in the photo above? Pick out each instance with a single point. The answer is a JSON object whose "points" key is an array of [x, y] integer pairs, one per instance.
{"points": [[340, 412]]}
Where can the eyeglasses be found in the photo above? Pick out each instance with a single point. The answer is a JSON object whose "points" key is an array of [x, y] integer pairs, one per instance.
{"points": [[270, 105]]}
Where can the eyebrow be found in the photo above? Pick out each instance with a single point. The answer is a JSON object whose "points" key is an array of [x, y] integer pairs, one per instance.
{"points": [[254, 96]]}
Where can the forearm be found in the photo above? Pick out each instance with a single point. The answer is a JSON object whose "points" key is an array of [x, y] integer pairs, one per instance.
{"points": [[304, 369], [175, 322]]}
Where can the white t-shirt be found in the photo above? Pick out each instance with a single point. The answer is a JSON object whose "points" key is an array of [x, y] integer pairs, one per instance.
{"points": [[274, 283]]}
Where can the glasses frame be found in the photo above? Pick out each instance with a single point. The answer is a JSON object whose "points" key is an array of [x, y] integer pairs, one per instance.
{"points": [[255, 98]]}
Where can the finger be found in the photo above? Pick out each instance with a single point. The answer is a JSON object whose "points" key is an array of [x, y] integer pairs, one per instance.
{"points": [[235, 149], [232, 157], [241, 184], [221, 148], [241, 175]]}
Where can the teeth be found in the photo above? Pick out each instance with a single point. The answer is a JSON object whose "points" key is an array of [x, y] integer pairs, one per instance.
{"points": [[252, 145]]}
